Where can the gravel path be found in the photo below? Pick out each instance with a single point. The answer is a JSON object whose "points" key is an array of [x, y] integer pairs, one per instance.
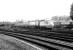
{"points": [[5, 45], [11, 43]]}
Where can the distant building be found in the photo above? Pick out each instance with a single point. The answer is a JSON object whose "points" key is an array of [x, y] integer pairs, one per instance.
{"points": [[43, 22], [61, 20]]}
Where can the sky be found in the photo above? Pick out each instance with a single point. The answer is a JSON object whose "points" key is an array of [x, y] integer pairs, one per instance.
{"points": [[12, 10]]}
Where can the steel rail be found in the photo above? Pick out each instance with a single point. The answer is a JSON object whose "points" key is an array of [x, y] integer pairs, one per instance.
{"points": [[18, 35]]}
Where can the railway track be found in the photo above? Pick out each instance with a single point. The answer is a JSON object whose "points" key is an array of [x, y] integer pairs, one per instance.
{"points": [[55, 40], [41, 41]]}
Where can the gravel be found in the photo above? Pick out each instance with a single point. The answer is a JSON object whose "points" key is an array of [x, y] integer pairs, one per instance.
{"points": [[5, 45]]}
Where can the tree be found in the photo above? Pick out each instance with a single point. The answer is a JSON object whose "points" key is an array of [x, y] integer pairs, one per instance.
{"points": [[71, 12]]}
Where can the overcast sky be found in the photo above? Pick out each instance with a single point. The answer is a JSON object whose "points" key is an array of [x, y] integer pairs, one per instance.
{"points": [[11, 10]]}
